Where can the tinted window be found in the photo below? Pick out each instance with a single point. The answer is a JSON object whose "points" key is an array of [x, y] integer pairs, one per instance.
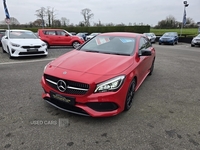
{"points": [[22, 35], [63, 33], [111, 44], [49, 32]]}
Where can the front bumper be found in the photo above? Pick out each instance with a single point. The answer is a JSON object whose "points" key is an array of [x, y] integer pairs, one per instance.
{"points": [[91, 104], [19, 51], [166, 41]]}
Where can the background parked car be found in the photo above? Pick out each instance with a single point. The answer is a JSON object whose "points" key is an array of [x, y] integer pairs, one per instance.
{"points": [[91, 36], [72, 33], [2, 33], [151, 37], [83, 35], [169, 38], [22, 43], [195, 41], [59, 37]]}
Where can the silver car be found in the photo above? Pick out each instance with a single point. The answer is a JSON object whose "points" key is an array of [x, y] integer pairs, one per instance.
{"points": [[195, 41], [151, 37]]}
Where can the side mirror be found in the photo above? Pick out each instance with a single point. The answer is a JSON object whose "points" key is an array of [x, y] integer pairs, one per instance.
{"points": [[66, 34], [145, 52]]}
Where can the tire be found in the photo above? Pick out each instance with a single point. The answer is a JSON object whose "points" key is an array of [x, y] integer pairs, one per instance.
{"points": [[48, 46], [176, 42], [75, 44], [3, 50], [192, 45], [9, 53], [159, 43], [130, 95], [152, 68]]}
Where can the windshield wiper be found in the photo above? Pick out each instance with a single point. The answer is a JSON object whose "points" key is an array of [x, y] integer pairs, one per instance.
{"points": [[108, 53], [93, 51], [117, 53]]}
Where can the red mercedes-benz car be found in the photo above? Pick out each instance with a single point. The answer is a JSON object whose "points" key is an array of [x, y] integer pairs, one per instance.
{"points": [[100, 77]]}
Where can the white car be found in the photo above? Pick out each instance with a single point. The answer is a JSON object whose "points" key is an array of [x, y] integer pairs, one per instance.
{"points": [[151, 37], [195, 41], [91, 36], [23, 43]]}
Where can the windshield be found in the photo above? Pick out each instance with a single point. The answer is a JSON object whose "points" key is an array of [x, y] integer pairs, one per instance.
{"points": [[147, 34], [169, 34], [22, 35], [68, 33], [110, 45], [93, 34]]}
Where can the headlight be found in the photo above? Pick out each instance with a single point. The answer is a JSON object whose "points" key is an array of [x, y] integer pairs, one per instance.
{"points": [[47, 65], [15, 45], [110, 85], [44, 44]]}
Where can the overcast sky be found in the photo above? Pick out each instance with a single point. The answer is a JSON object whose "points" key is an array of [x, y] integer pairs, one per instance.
{"points": [[107, 11]]}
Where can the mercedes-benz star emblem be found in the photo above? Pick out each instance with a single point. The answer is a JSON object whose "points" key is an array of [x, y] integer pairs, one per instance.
{"points": [[61, 85]]}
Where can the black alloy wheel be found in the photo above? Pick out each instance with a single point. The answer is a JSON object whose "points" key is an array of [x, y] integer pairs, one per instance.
{"points": [[152, 68], [130, 95], [3, 50], [9, 53]]}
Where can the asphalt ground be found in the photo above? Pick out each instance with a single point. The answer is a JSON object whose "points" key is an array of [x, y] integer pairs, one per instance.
{"points": [[165, 114]]}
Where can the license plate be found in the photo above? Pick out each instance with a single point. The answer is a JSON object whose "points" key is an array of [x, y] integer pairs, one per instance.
{"points": [[32, 50], [65, 99]]}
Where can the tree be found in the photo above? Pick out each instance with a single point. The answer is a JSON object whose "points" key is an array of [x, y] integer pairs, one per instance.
{"points": [[57, 23], [64, 21], [38, 23], [41, 13], [168, 23], [50, 13], [87, 15]]}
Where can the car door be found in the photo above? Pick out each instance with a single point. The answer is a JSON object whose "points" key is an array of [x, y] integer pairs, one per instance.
{"points": [[51, 36], [143, 61], [64, 38]]}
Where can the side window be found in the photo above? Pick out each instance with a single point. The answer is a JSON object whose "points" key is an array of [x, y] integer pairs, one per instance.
{"points": [[49, 32], [142, 44], [147, 43], [62, 33]]}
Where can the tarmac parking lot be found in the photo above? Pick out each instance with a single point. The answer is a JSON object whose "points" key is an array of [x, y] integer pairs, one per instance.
{"points": [[164, 116]]}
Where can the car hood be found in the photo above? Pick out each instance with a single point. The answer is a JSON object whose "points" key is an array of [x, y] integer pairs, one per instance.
{"points": [[93, 63], [26, 41], [167, 37], [196, 38]]}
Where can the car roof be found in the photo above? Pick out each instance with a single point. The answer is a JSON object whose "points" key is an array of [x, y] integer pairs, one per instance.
{"points": [[18, 30], [126, 34], [51, 29]]}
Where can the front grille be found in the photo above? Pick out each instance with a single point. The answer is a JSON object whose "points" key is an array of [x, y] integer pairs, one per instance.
{"points": [[27, 53], [67, 107], [73, 87], [102, 106], [30, 47]]}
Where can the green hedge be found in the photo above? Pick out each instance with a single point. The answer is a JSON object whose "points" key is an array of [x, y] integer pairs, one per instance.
{"points": [[136, 29]]}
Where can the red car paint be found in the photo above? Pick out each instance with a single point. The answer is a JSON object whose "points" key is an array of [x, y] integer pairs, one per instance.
{"points": [[81, 70]]}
